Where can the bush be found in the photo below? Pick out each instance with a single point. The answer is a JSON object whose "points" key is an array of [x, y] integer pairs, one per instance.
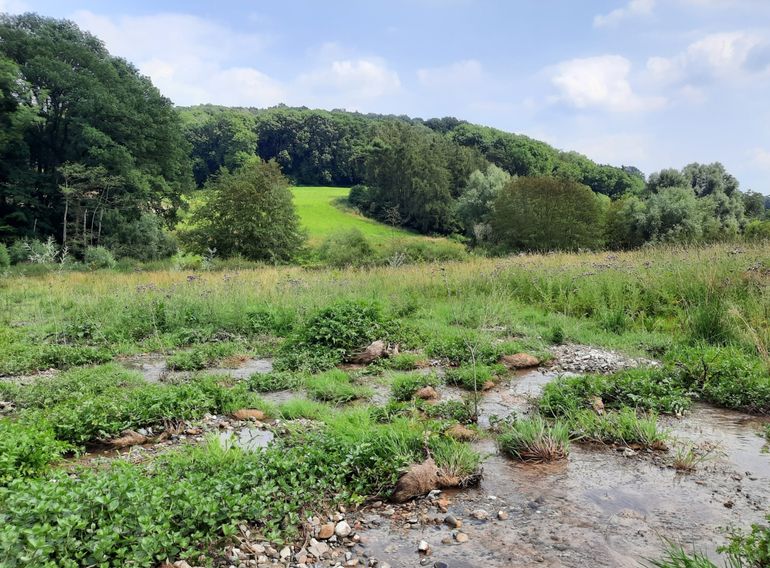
{"points": [[428, 250], [22, 249], [27, 449], [758, 231], [725, 376], [187, 261], [347, 248], [404, 385], [99, 257], [644, 389], [5, 257], [359, 197], [332, 334]]}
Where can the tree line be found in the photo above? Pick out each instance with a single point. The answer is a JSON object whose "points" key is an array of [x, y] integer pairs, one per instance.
{"points": [[93, 156]]}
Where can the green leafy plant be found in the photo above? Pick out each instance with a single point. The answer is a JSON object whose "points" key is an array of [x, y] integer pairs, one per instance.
{"points": [[404, 385]]}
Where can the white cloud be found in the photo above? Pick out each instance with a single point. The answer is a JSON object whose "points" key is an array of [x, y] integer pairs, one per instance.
{"points": [[761, 158], [187, 57], [718, 55], [633, 9], [466, 73], [351, 81], [600, 82]]}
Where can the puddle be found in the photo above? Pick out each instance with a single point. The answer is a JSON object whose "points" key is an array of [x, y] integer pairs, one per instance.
{"points": [[249, 439], [154, 370], [598, 508]]}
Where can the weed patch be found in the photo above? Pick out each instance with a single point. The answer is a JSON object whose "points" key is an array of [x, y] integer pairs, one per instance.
{"points": [[405, 385], [535, 440], [335, 387]]}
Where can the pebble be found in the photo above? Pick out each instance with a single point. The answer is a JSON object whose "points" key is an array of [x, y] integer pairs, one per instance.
{"points": [[461, 537], [342, 529], [480, 515], [453, 522], [326, 531], [424, 547], [502, 515]]}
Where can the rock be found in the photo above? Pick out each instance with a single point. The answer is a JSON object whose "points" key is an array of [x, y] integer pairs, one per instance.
{"points": [[452, 522], [342, 529], [285, 553], [317, 549], [426, 393], [376, 350], [597, 404], [129, 438], [420, 479], [326, 531], [480, 515], [489, 385], [249, 414], [520, 361], [502, 515], [440, 565], [461, 537], [181, 564], [461, 433], [424, 547]]}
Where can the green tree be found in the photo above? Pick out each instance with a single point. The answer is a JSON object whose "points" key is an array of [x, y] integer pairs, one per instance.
{"points": [[547, 213], [248, 212], [474, 206], [69, 101]]}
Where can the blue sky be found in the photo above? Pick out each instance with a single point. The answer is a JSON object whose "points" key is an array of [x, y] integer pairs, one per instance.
{"points": [[651, 83]]}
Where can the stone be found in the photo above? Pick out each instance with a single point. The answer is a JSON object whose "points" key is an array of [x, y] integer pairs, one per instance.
{"points": [[317, 549], [520, 361], [597, 404], [502, 515], [424, 547], [426, 393], [326, 531], [452, 521], [375, 350], [461, 433], [420, 479], [342, 529], [249, 414], [488, 385], [461, 537], [440, 565], [129, 438], [480, 515]]}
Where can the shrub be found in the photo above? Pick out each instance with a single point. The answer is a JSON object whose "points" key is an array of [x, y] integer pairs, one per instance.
{"points": [[346, 248], [5, 257], [336, 387], [725, 376], [534, 440], [425, 250], [750, 549], [404, 385], [359, 196], [22, 249], [99, 257], [332, 334], [187, 261], [27, 449], [646, 389]]}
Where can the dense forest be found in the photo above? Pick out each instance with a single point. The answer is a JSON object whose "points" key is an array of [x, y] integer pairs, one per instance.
{"points": [[94, 157]]}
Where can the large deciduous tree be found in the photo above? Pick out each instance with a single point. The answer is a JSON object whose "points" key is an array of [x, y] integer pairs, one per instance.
{"points": [[547, 213], [65, 100], [249, 212]]}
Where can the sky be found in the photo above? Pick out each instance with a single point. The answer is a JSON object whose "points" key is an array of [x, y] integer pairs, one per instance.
{"points": [[649, 83]]}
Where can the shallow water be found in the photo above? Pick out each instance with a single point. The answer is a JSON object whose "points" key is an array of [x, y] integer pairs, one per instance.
{"points": [[154, 370], [598, 508], [249, 439]]}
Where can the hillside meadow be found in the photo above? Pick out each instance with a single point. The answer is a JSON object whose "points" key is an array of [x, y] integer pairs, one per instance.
{"points": [[76, 348]]}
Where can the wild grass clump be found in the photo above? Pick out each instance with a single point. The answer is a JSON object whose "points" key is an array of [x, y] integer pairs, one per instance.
{"points": [[335, 387], [474, 377], [463, 411], [457, 462], [300, 408], [687, 457], [535, 440], [403, 386], [274, 381], [678, 557], [623, 428], [201, 356], [649, 389], [405, 361]]}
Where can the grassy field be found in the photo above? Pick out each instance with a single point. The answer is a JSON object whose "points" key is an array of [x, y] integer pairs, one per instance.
{"points": [[322, 215], [703, 312]]}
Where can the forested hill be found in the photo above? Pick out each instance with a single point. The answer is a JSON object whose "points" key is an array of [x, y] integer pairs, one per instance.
{"points": [[317, 147]]}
